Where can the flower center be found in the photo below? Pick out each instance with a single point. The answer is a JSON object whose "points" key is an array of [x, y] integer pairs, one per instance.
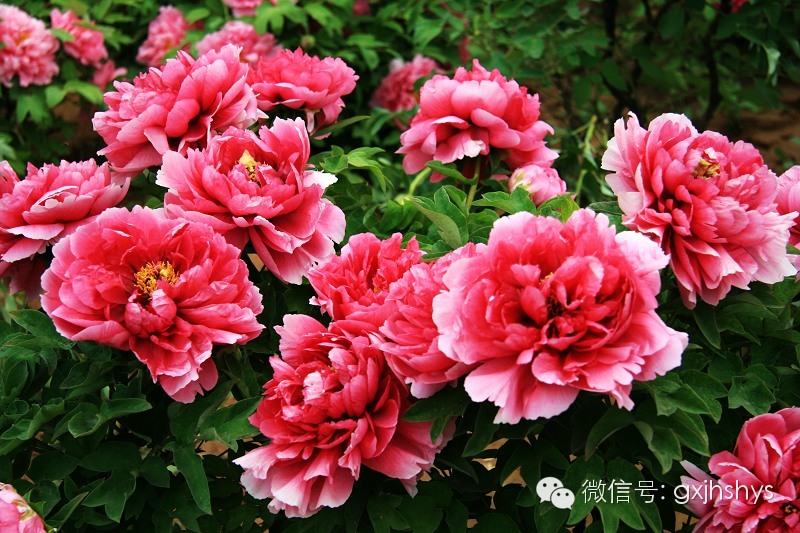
{"points": [[146, 279], [708, 167], [790, 509], [554, 307], [250, 165]]}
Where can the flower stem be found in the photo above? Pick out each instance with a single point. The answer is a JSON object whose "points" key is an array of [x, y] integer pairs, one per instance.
{"points": [[419, 178]]}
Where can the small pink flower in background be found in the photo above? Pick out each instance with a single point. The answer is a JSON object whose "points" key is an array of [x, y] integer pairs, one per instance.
{"points": [[411, 343], [397, 92], [168, 290], [764, 462], [8, 178], [254, 46], [245, 8], [355, 284], [543, 183], [302, 82], [788, 200], [165, 33], [176, 107], [49, 204], [16, 515], [258, 188], [27, 49], [88, 45], [361, 8], [106, 73], [550, 309], [470, 115], [709, 204], [331, 407]]}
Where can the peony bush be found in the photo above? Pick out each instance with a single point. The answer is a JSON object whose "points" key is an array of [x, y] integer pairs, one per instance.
{"points": [[381, 266]]}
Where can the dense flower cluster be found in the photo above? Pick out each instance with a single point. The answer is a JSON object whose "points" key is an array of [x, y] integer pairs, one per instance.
{"points": [[397, 92], [49, 204], [257, 188], [27, 49], [302, 82], [472, 113], [764, 464], [709, 204], [166, 289], [174, 108], [254, 46], [16, 515], [167, 32], [87, 45]]}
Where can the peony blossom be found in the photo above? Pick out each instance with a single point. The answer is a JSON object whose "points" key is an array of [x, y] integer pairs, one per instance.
{"points": [[87, 45], [397, 92], [174, 108], [168, 290], [788, 200], [49, 204], [709, 204], [302, 82], [543, 183], [245, 8], [552, 308], [471, 114], [27, 49], [331, 407], [258, 188], [758, 485], [165, 33], [355, 284], [106, 73], [16, 515], [411, 344], [254, 46]]}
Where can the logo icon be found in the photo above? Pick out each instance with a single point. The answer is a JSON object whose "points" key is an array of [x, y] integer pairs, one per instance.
{"points": [[551, 489]]}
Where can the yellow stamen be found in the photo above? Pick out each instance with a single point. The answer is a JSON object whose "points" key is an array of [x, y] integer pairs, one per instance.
{"points": [[147, 278], [250, 164]]}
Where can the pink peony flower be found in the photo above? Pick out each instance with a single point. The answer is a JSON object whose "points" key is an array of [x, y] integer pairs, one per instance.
{"points": [[106, 73], [331, 407], [49, 204], [258, 188], [27, 49], [543, 183], [709, 204], [254, 46], [308, 83], [759, 484], [788, 200], [411, 337], [355, 285], [174, 108], [245, 8], [168, 290], [551, 308], [397, 92], [8, 178], [165, 33], [472, 113], [16, 514], [88, 45]]}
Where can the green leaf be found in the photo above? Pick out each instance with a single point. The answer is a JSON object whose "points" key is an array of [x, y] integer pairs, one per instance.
{"points": [[450, 401], [230, 424], [691, 431], [580, 471], [85, 420], [112, 455], [706, 319], [612, 421], [123, 406], [382, 510], [40, 325], [752, 393], [112, 494], [190, 465], [154, 470], [483, 433], [421, 514], [62, 35], [518, 200], [52, 466], [662, 442], [32, 105], [457, 516], [187, 418], [494, 522], [57, 520], [449, 170]]}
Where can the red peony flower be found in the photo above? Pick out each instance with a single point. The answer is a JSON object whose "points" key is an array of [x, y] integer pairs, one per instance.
{"points": [[552, 308], [397, 92], [709, 204], [168, 290], [16, 514], [258, 188], [245, 8], [308, 83], [355, 285], [331, 406], [543, 183], [174, 108], [759, 483], [27, 49], [87, 45], [788, 200], [49, 204], [472, 113], [166, 32], [254, 46], [411, 343]]}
